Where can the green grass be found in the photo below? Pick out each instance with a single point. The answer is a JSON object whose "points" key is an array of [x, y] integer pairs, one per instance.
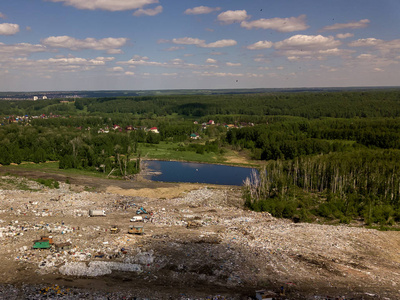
{"points": [[167, 151], [52, 167]]}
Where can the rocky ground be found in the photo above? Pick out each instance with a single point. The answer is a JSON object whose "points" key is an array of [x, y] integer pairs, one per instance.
{"points": [[199, 243]]}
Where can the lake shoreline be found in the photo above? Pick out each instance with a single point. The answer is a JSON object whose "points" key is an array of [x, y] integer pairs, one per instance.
{"points": [[192, 172]]}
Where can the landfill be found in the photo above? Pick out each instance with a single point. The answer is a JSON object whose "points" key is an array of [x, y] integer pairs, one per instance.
{"points": [[201, 245]]}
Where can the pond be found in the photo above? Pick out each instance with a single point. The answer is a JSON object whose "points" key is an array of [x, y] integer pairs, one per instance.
{"points": [[174, 171]]}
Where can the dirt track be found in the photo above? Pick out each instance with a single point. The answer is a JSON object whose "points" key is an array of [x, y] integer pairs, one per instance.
{"points": [[232, 252]]}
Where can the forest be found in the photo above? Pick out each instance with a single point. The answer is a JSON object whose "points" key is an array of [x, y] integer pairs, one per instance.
{"points": [[323, 155]]}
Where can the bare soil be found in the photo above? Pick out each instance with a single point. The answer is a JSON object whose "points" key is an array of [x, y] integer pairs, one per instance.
{"points": [[199, 242]]}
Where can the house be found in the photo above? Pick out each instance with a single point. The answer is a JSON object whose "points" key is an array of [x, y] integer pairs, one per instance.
{"points": [[195, 136], [211, 122], [115, 127], [154, 129], [129, 128], [63, 246]]}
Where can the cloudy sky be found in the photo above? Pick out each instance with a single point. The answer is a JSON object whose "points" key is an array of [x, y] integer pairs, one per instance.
{"points": [[52, 45]]}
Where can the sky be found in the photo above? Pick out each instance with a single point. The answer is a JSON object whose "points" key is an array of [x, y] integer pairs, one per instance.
{"points": [[61, 45]]}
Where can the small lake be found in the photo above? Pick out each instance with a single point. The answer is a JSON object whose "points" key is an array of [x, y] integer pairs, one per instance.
{"points": [[174, 171]]}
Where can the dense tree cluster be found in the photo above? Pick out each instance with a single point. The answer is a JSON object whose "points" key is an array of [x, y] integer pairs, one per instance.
{"points": [[363, 184]]}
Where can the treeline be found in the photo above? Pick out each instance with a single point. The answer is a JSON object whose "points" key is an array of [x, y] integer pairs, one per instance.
{"points": [[72, 148], [298, 137], [309, 105], [361, 184], [305, 104]]}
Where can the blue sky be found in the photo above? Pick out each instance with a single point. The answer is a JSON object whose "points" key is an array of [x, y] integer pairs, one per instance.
{"points": [[48, 45]]}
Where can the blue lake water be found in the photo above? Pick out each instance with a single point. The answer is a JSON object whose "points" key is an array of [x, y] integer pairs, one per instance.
{"points": [[174, 171]]}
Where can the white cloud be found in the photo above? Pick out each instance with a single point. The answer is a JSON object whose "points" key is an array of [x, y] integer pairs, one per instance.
{"points": [[58, 64], [224, 74], [110, 5], [188, 41], [169, 74], [344, 35], [148, 12], [8, 29], [307, 42], [114, 51], [278, 24], [230, 64], [219, 74], [366, 42], [174, 63], [220, 44], [199, 10], [68, 42], [352, 25], [202, 43], [260, 45], [211, 61], [22, 49], [371, 59], [365, 56], [175, 48], [117, 69], [129, 73], [389, 47], [231, 16]]}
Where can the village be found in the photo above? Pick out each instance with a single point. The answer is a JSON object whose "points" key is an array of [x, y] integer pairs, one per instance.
{"points": [[185, 242]]}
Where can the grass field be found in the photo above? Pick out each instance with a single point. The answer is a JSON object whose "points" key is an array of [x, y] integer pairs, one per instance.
{"points": [[52, 167], [167, 151]]}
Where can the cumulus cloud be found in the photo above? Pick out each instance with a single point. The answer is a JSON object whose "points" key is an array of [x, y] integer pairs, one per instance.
{"points": [[278, 24], [22, 49], [211, 61], [199, 10], [224, 74], [230, 64], [260, 45], [117, 69], [174, 63], [232, 16], [129, 73], [344, 35], [220, 44], [174, 48], [58, 64], [366, 42], [8, 29], [110, 5], [148, 12], [68, 42], [203, 44], [307, 42], [388, 47], [352, 25]]}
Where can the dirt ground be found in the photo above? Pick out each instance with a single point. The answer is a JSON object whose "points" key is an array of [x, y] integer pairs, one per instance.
{"points": [[199, 243]]}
